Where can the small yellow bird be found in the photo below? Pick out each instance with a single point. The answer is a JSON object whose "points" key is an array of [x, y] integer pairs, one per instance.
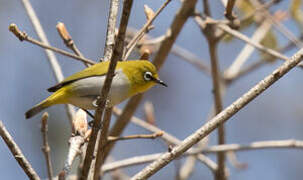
{"points": [[82, 89]]}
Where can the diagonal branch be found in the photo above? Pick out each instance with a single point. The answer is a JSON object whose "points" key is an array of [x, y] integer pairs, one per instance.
{"points": [[22, 36], [17, 153], [51, 56], [220, 118]]}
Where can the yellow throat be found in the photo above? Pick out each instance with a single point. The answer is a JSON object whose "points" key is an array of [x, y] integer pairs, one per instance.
{"points": [[82, 89]]}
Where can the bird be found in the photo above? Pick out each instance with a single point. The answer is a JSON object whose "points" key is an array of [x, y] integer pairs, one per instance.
{"points": [[83, 88]]}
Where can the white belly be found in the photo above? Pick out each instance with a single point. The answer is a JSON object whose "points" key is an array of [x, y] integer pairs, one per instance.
{"points": [[87, 90]]}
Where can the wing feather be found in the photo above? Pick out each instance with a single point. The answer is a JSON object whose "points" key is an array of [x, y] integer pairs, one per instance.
{"points": [[99, 69]]}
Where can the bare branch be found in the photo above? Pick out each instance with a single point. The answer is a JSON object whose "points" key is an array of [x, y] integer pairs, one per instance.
{"points": [[216, 79], [111, 27], [143, 30], [117, 53], [164, 49], [212, 38], [247, 50], [17, 153], [24, 37], [187, 168], [102, 142], [171, 34], [137, 136], [123, 120], [220, 118], [291, 143], [45, 147], [260, 8], [68, 41]]}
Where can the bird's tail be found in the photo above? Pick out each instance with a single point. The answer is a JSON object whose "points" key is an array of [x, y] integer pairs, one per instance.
{"points": [[59, 97], [36, 109]]}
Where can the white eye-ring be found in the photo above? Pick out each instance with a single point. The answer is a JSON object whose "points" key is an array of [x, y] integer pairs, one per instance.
{"points": [[148, 76]]}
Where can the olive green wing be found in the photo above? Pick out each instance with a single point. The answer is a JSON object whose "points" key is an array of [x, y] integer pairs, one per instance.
{"points": [[99, 69]]}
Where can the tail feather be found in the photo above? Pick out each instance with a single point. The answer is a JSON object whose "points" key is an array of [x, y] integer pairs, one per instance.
{"points": [[59, 97], [35, 110]]}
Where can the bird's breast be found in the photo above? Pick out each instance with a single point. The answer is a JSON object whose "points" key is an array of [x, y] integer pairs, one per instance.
{"points": [[86, 90]]}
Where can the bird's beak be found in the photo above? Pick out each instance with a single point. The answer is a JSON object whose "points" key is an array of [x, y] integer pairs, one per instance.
{"points": [[159, 82]]}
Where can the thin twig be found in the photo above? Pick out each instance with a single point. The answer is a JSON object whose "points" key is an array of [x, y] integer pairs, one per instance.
{"points": [[258, 63], [51, 56], [220, 118], [137, 136], [45, 147], [143, 30], [187, 168], [291, 143], [281, 144], [123, 120], [260, 8], [247, 50], [17, 153], [24, 37], [279, 26], [68, 41], [191, 58], [244, 38], [168, 137], [184, 54], [172, 33], [117, 53], [256, 45]]}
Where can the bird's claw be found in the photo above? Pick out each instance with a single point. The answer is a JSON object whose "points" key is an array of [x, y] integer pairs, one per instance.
{"points": [[95, 102]]}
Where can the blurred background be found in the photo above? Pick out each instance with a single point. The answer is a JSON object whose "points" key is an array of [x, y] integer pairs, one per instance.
{"points": [[180, 108]]}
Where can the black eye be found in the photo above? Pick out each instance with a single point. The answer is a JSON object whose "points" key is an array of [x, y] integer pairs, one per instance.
{"points": [[147, 76]]}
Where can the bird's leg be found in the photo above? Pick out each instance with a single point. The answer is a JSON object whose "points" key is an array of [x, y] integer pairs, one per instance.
{"points": [[89, 113], [90, 123], [107, 103]]}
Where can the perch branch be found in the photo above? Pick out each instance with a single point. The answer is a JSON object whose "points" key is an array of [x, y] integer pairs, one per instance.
{"points": [[117, 53]]}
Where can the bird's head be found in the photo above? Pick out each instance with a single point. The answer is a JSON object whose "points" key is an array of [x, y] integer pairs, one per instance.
{"points": [[142, 75]]}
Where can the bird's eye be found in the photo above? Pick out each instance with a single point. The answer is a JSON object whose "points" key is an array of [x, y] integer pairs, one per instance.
{"points": [[147, 76]]}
